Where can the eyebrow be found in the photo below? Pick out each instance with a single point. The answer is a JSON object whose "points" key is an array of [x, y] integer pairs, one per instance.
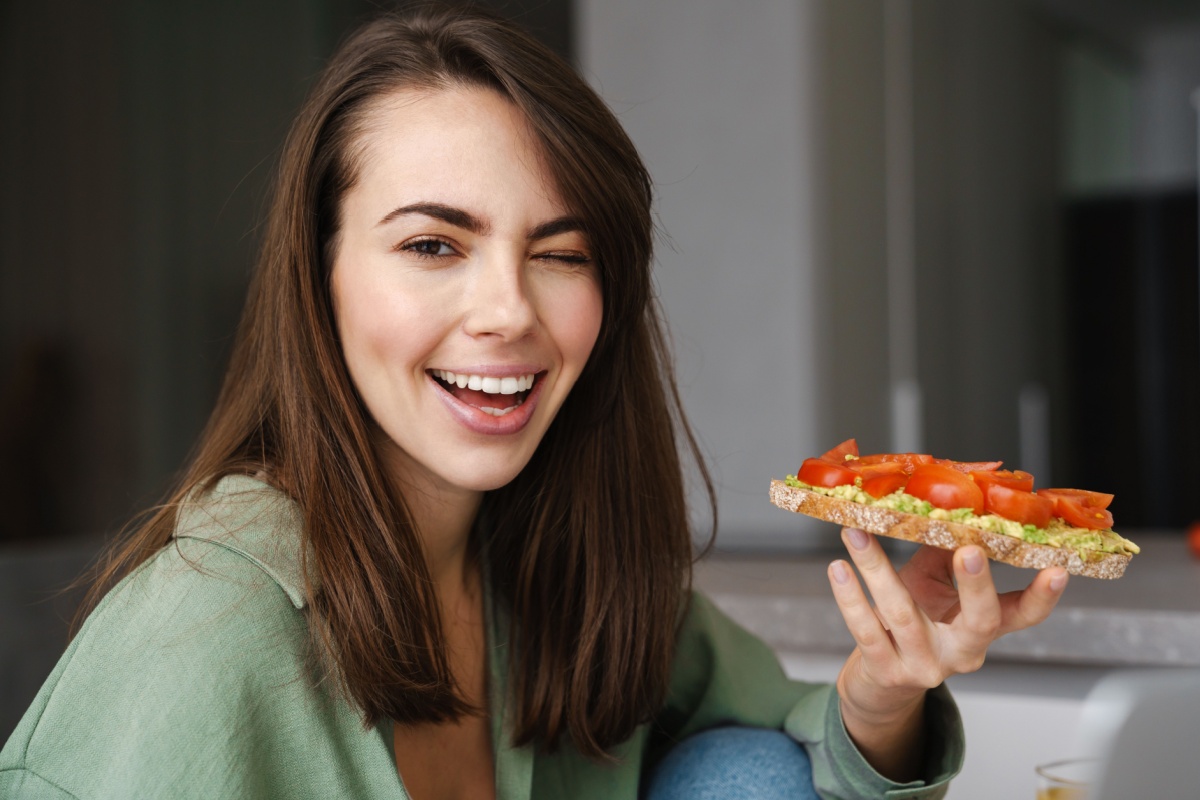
{"points": [[468, 221], [555, 227], [449, 214]]}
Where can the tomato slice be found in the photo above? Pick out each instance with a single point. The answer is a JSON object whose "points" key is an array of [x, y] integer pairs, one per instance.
{"points": [[1083, 496], [945, 487], [838, 454], [871, 470], [1021, 481], [910, 461], [967, 467], [1019, 505], [884, 483], [1081, 508], [1082, 517], [819, 472]]}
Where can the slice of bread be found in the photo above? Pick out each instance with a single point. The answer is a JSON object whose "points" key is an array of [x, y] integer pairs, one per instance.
{"points": [[945, 534]]}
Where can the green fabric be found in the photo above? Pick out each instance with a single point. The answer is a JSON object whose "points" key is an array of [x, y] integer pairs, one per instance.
{"points": [[192, 679]]}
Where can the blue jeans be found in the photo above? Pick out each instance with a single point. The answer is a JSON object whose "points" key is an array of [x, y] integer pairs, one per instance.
{"points": [[728, 763]]}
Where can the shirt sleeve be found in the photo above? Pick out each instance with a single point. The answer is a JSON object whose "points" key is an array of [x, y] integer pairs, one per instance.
{"points": [[723, 675]]}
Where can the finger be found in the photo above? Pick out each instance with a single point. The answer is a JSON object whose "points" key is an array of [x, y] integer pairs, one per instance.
{"points": [[979, 619], [872, 638], [929, 577], [894, 604], [1030, 606]]}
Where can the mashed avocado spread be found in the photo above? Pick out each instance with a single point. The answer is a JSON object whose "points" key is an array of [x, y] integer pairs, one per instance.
{"points": [[1057, 534]]}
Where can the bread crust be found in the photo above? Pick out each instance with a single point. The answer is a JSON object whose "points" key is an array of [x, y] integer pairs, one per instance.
{"points": [[945, 534]]}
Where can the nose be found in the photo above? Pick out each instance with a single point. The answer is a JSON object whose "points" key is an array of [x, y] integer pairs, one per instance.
{"points": [[498, 301]]}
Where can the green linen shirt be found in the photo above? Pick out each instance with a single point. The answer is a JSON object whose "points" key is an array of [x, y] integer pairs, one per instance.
{"points": [[192, 679]]}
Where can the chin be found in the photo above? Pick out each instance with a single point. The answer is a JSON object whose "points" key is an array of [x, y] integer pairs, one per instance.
{"points": [[485, 477]]}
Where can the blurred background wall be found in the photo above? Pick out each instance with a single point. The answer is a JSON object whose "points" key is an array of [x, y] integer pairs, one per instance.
{"points": [[963, 227], [136, 144]]}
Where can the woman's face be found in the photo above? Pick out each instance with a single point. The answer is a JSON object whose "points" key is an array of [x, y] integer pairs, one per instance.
{"points": [[465, 296]]}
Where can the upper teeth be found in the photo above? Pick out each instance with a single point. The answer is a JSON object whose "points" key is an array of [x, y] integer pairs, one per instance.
{"points": [[486, 383]]}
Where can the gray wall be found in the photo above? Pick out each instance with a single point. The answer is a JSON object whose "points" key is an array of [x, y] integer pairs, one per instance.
{"points": [[1166, 102], [717, 97], [134, 164], [837, 179], [987, 108]]}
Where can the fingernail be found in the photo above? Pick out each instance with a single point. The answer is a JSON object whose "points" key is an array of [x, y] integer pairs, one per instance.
{"points": [[840, 573], [973, 562], [858, 539], [1058, 582]]}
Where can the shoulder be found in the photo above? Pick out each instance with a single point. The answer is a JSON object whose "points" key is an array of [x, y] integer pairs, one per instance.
{"points": [[258, 523], [232, 570], [195, 646], [220, 594]]}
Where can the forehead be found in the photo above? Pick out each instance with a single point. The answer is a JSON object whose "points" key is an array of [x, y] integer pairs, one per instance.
{"points": [[459, 142]]}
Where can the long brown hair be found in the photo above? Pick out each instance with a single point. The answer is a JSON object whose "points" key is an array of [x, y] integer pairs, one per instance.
{"points": [[589, 548]]}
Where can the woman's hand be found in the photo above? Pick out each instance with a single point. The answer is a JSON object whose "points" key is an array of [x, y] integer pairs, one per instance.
{"points": [[933, 619]]}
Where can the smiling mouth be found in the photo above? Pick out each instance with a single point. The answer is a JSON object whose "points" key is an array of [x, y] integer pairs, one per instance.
{"points": [[492, 395]]}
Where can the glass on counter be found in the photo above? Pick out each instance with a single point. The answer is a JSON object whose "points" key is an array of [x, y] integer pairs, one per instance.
{"points": [[1066, 780]]}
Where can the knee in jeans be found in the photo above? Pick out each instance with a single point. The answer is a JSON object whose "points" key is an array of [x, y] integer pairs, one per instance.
{"points": [[734, 762]]}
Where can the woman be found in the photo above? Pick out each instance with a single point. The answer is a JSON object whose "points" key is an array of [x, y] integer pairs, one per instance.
{"points": [[433, 541]]}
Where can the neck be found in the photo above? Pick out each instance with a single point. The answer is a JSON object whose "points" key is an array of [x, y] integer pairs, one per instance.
{"points": [[443, 517], [444, 527], [443, 522]]}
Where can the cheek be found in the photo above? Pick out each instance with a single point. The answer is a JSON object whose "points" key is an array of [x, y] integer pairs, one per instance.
{"points": [[577, 320], [377, 325]]}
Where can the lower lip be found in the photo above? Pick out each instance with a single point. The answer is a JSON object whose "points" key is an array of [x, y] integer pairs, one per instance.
{"points": [[478, 421]]}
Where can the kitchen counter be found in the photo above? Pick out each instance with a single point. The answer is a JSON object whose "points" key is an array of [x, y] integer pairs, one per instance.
{"points": [[1149, 617]]}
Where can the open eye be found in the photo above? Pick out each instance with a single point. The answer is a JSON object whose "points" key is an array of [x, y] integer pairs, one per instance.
{"points": [[428, 247]]}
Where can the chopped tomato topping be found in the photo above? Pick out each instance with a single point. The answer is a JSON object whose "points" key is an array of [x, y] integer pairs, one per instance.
{"points": [[1021, 481], [884, 483], [967, 467], [1083, 496], [871, 470], [978, 485], [1081, 508], [945, 487], [910, 461], [820, 472], [838, 454], [1018, 505]]}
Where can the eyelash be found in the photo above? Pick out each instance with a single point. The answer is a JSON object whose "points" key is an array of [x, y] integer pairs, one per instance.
{"points": [[412, 246], [575, 259]]}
